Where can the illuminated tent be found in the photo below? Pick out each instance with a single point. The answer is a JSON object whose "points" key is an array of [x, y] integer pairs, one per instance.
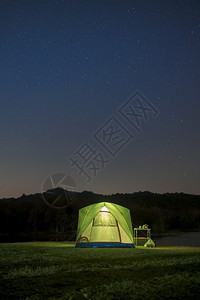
{"points": [[104, 224]]}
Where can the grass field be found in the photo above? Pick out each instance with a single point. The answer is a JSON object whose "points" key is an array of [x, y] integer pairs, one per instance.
{"points": [[43, 270]]}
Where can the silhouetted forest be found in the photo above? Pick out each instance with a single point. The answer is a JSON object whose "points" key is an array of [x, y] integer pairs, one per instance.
{"points": [[54, 215]]}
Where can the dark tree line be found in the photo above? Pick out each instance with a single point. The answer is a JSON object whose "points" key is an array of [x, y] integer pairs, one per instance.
{"points": [[29, 218]]}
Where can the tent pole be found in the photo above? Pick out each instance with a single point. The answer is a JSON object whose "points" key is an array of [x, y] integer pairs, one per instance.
{"points": [[120, 240]]}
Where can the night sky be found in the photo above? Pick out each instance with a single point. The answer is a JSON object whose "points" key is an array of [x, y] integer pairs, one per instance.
{"points": [[66, 70]]}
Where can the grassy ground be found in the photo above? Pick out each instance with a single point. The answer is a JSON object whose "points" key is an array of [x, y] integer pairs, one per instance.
{"points": [[58, 270]]}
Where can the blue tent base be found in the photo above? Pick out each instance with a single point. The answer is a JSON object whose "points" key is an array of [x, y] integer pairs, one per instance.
{"points": [[104, 245]]}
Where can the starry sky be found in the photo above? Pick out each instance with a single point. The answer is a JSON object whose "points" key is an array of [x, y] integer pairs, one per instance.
{"points": [[66, 69]]}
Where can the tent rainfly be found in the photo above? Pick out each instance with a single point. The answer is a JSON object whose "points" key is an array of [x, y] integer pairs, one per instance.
{"points": [[103, 225]]}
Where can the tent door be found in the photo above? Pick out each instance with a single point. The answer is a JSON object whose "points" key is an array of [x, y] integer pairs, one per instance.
{"points": [[105, 228]]}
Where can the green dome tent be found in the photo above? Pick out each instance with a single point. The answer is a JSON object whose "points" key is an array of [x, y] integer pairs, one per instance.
{"points": [[104, 224]]}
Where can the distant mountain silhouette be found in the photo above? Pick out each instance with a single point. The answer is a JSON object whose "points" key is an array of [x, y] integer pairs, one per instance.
{"points": [[53, 215]]}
